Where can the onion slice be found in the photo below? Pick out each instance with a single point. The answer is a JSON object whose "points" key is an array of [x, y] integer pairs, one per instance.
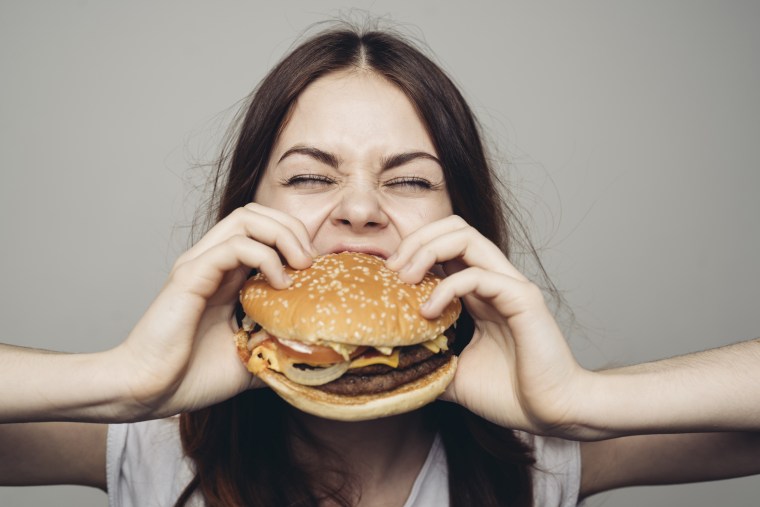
{"points": [[257, 339], [313, 376]]}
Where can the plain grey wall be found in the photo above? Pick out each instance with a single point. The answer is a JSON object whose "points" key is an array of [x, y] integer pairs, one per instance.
{"points": [[632, 131]]}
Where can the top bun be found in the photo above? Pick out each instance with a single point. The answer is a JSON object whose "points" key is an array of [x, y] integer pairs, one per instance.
{"points": [[349, 298]]}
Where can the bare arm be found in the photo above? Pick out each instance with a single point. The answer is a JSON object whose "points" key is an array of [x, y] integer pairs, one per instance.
{"points": [[180, 356], [53, 453], [171, 360], [38, 385], [714, 390], [667, 459], [519, 372]]}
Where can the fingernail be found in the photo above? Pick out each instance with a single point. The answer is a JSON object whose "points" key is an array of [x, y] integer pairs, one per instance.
{"points": [[287, 280], [392, 258]]}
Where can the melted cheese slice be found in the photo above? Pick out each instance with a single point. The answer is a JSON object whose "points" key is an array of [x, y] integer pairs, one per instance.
{"points": [[264, 356], [341, 348], [437, 344], [389, 360]]}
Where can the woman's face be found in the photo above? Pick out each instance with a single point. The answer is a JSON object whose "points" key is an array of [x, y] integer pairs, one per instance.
{"points": [[355, 164]]}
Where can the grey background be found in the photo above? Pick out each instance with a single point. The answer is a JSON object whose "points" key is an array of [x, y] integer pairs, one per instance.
{"points": [[631, 131]]}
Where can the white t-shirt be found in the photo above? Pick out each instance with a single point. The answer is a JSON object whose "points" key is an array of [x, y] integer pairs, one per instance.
{"points": [[146, 468]]}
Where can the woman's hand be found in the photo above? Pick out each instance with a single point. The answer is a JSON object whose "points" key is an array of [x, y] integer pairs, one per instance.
{"points": [[518, 370], [180, 355]]}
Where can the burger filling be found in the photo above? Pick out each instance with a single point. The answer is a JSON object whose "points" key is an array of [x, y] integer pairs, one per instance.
{"points": [[340, 368]]}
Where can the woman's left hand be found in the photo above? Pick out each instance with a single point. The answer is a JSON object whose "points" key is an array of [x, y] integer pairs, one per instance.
{"points": [[517, 371]]}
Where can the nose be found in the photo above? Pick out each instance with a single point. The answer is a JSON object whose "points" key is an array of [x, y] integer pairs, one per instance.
{"points": [[359, 210]]}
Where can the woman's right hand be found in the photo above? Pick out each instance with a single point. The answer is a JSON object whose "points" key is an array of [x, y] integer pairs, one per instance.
{"points": [[181, 356]]}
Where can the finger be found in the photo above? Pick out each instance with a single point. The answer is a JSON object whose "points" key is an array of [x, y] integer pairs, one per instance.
{"points": [[262, 228], [530, 325], [295, 225], [460, 246], [457, 249], [424, 234], [204, 274], [478, 357], [510, 296], [263, 224]]}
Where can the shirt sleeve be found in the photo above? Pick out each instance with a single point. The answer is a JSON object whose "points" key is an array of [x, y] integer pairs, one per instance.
{"points": [[557, 472], [145, 466]]}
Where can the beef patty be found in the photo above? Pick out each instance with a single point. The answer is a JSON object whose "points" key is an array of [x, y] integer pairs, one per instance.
{"points": [[414, 362]]}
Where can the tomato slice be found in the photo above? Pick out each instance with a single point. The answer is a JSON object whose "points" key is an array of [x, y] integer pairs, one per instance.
{"points": [[313, 354]]}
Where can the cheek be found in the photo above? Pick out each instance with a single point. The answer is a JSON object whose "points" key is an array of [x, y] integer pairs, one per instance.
{"points": [[311, 212], [442, 208], [411, 216]]}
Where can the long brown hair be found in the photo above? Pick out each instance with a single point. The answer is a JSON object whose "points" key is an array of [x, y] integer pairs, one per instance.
{"points": [[241, 450]]}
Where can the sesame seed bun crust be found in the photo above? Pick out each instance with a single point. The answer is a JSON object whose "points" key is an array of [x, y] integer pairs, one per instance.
{"points": [[403, 399], [349, 298]]}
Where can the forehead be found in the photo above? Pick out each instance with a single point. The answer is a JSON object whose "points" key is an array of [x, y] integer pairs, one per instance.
{"points": [[354, 112]]}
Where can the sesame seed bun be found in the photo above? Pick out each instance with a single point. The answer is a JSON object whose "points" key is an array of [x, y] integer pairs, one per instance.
{"points": [[349, 298]]}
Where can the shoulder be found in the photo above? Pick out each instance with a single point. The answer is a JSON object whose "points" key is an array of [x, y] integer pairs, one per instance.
{"points": [[145, 465], [556, 474]]}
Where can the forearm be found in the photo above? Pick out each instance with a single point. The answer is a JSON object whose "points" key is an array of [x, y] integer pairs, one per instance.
{"points": [[53, 453], [667, 459], [714, 390], [38, 385]]}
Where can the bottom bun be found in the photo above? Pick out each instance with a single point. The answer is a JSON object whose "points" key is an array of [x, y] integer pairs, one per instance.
{"points": [[405, 398]]}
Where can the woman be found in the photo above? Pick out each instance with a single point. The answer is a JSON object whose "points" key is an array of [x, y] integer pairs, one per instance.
{"points": [[359, 142]]}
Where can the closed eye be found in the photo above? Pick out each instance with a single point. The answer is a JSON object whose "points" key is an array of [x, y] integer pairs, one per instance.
{"points": [[410, 183], [308, 181]]}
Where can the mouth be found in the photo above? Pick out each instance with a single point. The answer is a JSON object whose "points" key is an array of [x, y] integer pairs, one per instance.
{"points": [[367, 249]]}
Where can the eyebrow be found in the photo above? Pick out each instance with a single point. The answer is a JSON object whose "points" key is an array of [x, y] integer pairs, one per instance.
{"points": [[404, 158], [315, 153], [333, 161]]}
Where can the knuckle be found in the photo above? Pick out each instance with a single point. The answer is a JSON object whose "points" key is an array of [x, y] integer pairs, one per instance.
{"points": [[479, 272], [426, 252], [458, 221], [241, 211], [239, 214], [284, 235], [182, 273], [533, 292], [239, 242], [180, 261]]}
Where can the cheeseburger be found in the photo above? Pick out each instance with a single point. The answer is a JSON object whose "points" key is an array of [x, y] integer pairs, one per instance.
{"points": [[346, 340]]}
